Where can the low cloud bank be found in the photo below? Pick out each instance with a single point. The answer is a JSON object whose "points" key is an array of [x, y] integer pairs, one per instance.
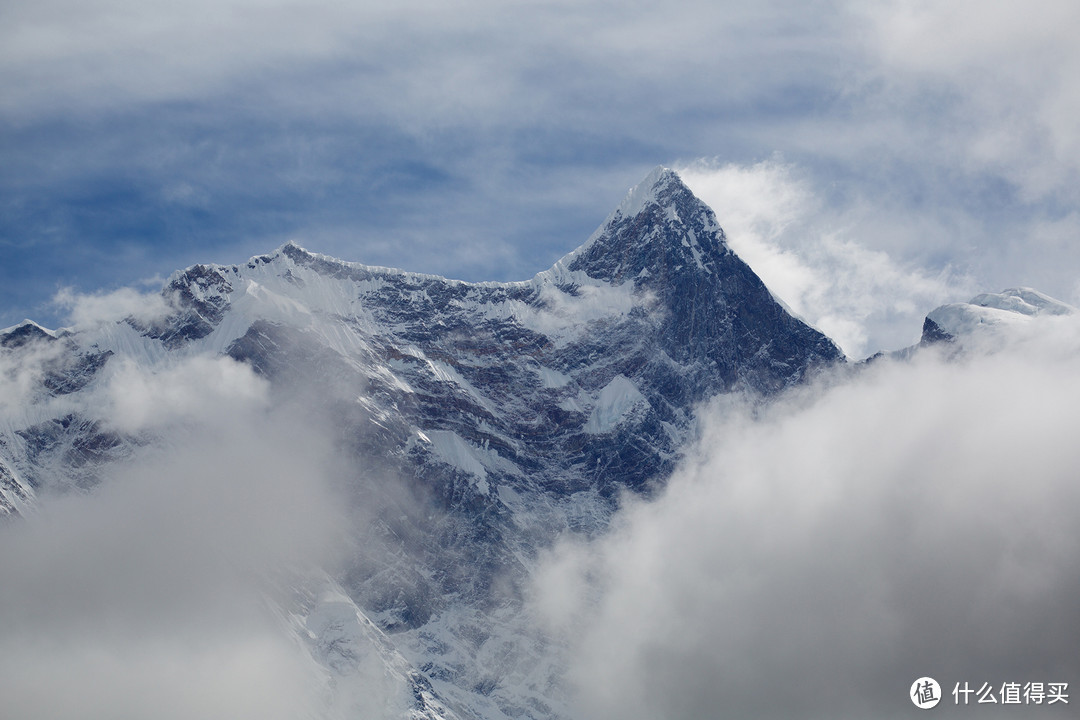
{"points": [[812, 559], [160, 593]]}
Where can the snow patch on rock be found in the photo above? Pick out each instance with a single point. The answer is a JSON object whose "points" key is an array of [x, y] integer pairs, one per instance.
{"points": [[454, 450], [619, 399]]}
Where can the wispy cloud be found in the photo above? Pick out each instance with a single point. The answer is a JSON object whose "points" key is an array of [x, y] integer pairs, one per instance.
{"points": [[1001, 73], [89, 309], [808, 253]]}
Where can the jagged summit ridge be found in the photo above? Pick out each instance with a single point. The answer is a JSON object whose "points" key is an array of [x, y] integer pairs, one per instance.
{"points": [[660, 256], [661, 191]]}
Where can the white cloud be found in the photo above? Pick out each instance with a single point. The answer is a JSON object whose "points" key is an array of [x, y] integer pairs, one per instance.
{"points": [[199, 391], [1005, 70], [214, 678], [464, 63], [21, 373], [814, 558], [564, 316], [85, 310], [161, 594], [801, 249]]}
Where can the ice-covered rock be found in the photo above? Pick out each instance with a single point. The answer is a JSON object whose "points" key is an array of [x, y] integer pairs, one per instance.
{"points": [[990, 313]]}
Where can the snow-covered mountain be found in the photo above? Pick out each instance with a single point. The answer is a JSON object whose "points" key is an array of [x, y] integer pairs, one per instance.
{"points": [[515, 412], [990, 313]]}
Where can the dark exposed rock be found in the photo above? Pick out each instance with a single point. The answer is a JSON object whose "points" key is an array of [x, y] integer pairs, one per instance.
{"points": [[932, 333], [23, 334]]}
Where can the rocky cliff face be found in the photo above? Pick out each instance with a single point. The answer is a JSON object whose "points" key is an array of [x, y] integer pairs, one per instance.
{"points": [[510, 413]]}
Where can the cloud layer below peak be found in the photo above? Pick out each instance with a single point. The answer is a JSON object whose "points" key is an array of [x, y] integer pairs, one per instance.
{"points": [[814, 558]]}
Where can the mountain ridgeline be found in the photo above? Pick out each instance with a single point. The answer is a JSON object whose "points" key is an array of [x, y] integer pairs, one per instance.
{"points": [[510, 413]]}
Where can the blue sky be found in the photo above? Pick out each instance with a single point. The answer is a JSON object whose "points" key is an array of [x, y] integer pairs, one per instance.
{"points": [[871, 160]]}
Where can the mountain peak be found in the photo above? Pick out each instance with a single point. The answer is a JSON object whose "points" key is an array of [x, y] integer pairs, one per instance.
{"points": [[25, 332], [665, 244], [990, 312], [660, 230], [661, 181]]}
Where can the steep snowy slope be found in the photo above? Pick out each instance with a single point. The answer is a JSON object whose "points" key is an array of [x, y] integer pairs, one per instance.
{"points": [[483, 420]]}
